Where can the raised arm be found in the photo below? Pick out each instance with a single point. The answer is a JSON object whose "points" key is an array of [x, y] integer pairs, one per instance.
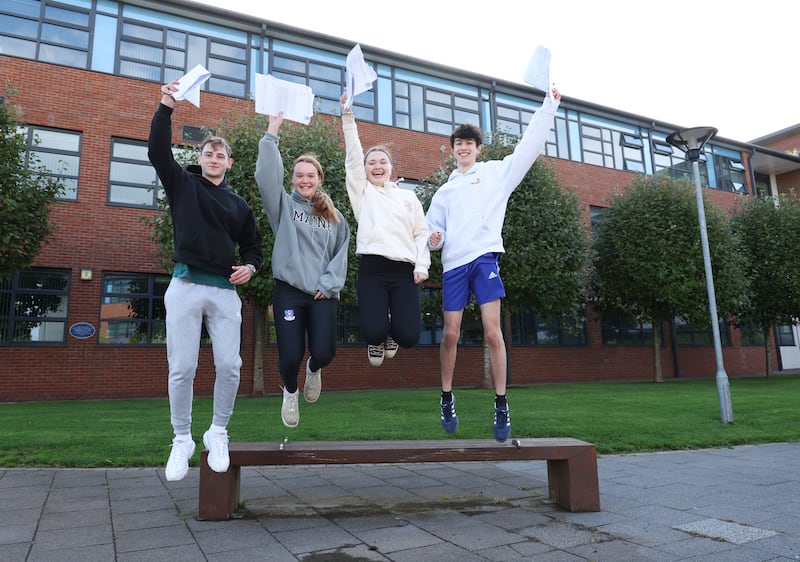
{"points": [[355, 175], [269, 172], [530, 146]]}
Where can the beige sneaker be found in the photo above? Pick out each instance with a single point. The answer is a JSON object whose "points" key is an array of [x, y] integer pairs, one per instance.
{"points": [[290, 410], [390, 347], [313, 385]]}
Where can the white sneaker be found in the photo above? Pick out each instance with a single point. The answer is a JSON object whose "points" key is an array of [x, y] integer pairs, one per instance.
{"points": [[375, 354], [217, 444], [178, 463], [313, 386], [290, 410], [390, 347]]}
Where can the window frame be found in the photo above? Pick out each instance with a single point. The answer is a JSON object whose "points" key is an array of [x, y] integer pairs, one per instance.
{"points": [[10, 289]]}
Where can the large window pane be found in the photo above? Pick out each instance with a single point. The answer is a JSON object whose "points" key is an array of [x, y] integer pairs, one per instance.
{"points": [[132, 179], [57, 155], [33, 307], [132, 309]]}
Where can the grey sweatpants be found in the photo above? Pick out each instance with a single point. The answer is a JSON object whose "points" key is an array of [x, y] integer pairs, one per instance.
{"points": [[187, 304]]}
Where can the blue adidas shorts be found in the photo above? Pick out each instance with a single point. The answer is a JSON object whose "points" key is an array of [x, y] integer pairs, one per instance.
{"points": [[480, 277]]}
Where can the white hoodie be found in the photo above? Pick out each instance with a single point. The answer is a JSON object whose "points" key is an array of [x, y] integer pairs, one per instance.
{"points": [[470, 208]]}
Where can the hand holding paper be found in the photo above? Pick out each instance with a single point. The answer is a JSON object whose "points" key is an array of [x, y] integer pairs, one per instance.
{"points": [[538, 72], [189, 85], [359, 76], [274, 95]]}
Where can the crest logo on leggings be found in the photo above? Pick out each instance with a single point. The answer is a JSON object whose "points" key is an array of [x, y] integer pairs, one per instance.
{"points": [[288, 314]]}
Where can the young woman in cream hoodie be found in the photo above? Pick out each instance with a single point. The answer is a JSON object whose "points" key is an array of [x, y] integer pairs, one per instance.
{"points": [[392, 245]]}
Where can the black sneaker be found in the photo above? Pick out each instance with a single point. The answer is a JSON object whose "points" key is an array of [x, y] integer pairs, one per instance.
{"points": [[502, 423], [449, 417]]}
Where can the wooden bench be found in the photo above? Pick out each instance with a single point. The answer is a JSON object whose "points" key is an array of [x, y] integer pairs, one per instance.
{"points": [[571, 464]]}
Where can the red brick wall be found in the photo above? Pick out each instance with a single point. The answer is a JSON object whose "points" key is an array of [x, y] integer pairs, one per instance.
{"points": [[91, 234]]}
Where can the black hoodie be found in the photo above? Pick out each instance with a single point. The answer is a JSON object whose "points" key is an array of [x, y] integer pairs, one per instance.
{"points": [[208, 221]]}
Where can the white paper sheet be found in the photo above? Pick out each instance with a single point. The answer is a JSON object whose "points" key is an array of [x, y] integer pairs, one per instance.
{"points": [[274, 95], [538, 72], [359, 76], [189, 85]]}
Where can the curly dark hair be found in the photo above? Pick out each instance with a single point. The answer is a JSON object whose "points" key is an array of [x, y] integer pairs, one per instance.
{"points": [[467, 131]]}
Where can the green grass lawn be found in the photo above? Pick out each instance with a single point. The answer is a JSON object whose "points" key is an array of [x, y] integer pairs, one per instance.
{"points": [[616, 417]]}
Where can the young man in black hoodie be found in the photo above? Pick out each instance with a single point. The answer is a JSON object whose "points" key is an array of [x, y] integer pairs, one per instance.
{"points": [[209, 221]]}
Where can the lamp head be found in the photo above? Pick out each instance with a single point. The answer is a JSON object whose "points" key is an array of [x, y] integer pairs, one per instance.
{"points": [[691, 141]]}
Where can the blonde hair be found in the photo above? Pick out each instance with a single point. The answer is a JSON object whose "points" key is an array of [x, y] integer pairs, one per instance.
{"points": [[321, 203], [379, 148]]}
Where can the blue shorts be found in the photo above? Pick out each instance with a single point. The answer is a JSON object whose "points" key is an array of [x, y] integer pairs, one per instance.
{"points": [[480, 277]]}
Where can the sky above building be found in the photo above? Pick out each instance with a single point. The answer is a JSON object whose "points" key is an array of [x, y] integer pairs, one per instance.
{"points": [[683, 62]]}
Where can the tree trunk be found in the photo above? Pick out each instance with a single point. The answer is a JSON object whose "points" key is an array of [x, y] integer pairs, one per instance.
{"points": [[768, 353], [657, 374], [258, 353]]}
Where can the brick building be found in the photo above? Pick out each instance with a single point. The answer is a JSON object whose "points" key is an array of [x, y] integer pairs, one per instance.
{"points": [[87, 74]]}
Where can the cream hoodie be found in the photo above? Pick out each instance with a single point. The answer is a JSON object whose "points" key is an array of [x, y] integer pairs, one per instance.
{"points": [[391, 222]]}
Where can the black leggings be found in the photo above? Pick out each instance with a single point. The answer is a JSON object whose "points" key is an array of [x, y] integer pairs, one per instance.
{"points": [[386, 287], [297, 314]]}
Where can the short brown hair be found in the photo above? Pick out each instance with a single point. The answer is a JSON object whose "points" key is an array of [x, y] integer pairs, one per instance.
{"points": [[215, 142]]}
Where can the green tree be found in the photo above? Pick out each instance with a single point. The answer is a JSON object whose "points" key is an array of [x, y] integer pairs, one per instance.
{"points": [[648, 259], [27, 193], [769, 230], [545, 265], [243, 128]]}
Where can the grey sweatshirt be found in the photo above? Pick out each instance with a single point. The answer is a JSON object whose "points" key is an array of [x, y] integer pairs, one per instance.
{"points": [[310, 253]]}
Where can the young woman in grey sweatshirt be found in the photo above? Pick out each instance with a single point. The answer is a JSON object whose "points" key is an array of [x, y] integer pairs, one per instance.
{"points": [[309, 264]]}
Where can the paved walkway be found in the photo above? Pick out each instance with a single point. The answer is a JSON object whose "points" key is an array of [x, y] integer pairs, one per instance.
{"points": [[741, 503]]}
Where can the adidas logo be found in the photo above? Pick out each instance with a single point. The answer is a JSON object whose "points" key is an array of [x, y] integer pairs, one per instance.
{"points": [[492, 275]]}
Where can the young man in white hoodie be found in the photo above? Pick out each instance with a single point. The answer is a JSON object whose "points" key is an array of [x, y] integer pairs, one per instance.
{"points": [[465, 219]]}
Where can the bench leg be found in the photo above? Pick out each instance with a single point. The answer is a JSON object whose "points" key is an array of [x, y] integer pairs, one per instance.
{"points": [[573, 482], [219, 491]]}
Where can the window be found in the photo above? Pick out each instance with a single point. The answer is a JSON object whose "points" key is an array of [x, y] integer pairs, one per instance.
{"points": [[348, 325], [132, 179], [626, 331], [58, 154], [785, 335], [762, 185], [59, 34], [322, 71], [513, 116], [751, 334], [632, 152], [132, 309], [33, 307], [432, 321], [433, 105], [730, 171], [528, 328], [692, 336], [160, 47], [670, 162], [596, 214]]}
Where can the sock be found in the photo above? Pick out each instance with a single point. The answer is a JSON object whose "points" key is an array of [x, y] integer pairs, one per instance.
{"points": [[447, 396], [183, 436], [500, 401], [218, 428]]}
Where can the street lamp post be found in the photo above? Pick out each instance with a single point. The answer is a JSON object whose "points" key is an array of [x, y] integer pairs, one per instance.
{"points": [[691, 141]]}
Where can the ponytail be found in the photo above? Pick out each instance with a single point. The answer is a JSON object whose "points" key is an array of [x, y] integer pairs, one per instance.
{"points": [[321, 203]]}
